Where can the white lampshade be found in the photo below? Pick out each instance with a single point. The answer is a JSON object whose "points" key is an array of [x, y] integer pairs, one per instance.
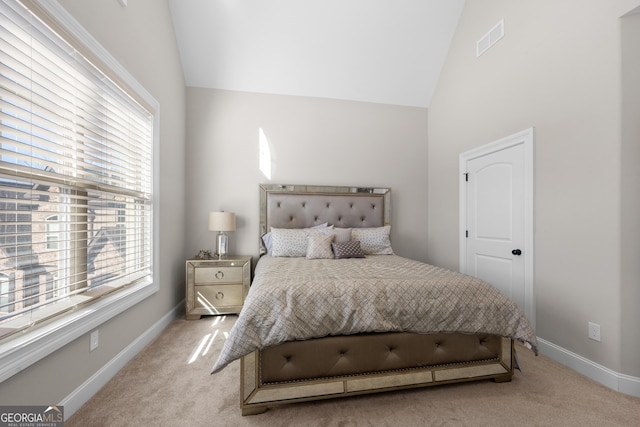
{"points": [[222, 221]]}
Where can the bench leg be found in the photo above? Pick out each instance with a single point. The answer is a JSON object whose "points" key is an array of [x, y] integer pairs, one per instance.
{"points": [[253, 410]]}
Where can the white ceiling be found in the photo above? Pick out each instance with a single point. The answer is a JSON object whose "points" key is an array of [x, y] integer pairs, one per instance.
{"points": [[382, 51]]}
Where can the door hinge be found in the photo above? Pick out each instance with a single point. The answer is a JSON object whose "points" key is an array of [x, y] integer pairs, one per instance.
{"points": [[466, 177], [466, 234]]}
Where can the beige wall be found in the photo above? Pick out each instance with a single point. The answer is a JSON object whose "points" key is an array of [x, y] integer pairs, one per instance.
{"points": [[141, 38], [313, 141], [558, 70], [630, 178]]}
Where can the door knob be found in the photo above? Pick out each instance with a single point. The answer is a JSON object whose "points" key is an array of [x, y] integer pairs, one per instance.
{"points": [[516, 252]]}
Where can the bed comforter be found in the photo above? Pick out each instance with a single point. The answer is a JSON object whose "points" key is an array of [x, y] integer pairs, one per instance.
{"points": [[298, 299]]}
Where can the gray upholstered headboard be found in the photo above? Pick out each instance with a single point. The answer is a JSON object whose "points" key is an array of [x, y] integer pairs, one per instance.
{"points": [[300, 206]]}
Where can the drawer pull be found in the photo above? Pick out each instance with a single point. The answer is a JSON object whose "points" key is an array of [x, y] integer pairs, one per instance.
{"points": [[219, 295], [219, 275]]}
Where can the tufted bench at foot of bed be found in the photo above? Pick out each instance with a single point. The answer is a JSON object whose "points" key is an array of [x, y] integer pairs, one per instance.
{"points": [[341, 366]]}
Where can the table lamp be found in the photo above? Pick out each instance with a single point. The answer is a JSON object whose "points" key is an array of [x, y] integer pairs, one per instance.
{"points": [[221, 222]]}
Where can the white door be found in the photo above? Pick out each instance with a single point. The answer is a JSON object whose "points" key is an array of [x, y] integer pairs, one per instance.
{"points": [[496, 224]]}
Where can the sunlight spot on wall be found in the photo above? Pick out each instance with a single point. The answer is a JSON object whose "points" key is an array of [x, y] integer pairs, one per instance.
{"points": [[265, 155]]}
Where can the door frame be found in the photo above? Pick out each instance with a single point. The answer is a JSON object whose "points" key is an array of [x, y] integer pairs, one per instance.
{"points": [[526, 138]]}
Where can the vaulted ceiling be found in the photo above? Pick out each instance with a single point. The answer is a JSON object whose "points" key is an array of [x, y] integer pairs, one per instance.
{"points": [[382, 51]]}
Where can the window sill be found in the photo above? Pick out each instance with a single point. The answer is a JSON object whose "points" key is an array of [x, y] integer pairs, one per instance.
{"points": [[20, 352]]}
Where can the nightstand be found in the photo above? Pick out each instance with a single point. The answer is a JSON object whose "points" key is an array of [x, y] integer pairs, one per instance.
{"points": [[217, 286]]}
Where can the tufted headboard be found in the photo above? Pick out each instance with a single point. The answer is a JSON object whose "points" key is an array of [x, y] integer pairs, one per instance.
{"points": [[301, 206]]}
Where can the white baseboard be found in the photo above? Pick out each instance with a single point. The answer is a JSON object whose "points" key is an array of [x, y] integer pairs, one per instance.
{"points": [[619, 382], [93, 384]]}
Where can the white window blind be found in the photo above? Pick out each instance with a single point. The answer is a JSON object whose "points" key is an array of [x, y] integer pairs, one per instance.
{"points": [[75, 177]]}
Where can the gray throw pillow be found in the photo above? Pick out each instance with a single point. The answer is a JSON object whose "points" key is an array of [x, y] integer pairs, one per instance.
{"points": [[350, 249]]}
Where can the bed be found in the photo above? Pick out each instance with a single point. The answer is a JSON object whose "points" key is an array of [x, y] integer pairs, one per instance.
{"points": [[334, 312]]}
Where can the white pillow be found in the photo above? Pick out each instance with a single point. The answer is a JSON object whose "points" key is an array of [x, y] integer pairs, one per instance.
{"points": [[266, 239], [342, 234], [289, 242], [373, 241], [319, 245]]}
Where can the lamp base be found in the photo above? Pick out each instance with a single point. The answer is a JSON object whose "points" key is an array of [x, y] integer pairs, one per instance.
{"points": [[223, 245]]}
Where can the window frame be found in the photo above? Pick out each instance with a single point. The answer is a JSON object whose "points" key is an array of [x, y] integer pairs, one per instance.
{"points": [[19, 352]]}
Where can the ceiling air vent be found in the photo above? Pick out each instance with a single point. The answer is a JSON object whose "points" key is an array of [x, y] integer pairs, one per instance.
{"points": [[489, 39]]}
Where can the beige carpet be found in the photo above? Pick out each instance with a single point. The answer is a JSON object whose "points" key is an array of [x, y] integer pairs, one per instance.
{"points": [[168, 384]]}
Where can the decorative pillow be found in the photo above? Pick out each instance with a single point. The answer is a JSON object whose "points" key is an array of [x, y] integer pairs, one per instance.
{"points": [[342, 234], [319, 245], [266, 239], [289, 242], [350, 249], [374, 241]]}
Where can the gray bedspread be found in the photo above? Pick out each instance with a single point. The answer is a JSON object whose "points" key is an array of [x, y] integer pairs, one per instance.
{"points": [[298, 298]]}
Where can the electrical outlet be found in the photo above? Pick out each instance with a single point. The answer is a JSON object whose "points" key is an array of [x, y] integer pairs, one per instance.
{"points": [[594, 331], [94, 340]]}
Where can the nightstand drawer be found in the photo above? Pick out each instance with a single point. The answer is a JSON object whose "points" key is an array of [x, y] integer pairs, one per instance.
{"points": [[218, 275], [218, 295]]}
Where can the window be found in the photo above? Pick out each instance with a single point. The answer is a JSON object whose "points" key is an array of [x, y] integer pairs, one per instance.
{"points": [[76, 161], [5, 291], [52, 235]]}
